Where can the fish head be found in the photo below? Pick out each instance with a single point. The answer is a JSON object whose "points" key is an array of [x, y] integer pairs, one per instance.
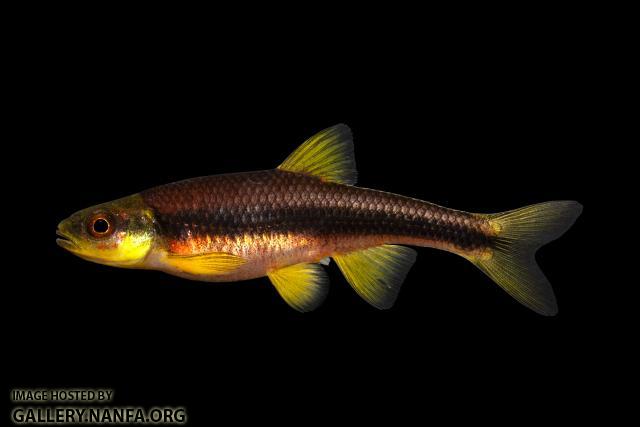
{"points": [[118, 233]]}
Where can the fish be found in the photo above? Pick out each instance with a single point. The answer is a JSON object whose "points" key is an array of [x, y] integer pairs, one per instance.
{"points": [[287, 224]]}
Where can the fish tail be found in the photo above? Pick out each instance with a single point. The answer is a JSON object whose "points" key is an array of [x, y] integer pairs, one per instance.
{"points": [[510, 261]]}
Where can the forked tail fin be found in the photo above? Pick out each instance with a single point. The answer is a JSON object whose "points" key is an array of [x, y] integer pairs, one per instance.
{"points": [[519, 234]]}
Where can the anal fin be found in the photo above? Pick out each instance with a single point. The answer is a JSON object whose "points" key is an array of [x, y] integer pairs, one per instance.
{"points": [[377, 273], [303, 286]]}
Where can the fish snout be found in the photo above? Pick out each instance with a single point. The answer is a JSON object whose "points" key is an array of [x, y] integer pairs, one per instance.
{"points": [[65, 238]]}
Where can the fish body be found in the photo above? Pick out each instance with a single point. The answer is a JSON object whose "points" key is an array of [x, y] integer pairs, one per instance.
{"points": [[283, 223], [277, 218]]}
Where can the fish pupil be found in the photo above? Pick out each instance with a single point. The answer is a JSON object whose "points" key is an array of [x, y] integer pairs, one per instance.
{"points": [[100, 225]]}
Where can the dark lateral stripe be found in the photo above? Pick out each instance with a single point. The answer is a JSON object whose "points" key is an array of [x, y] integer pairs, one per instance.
{"points": [[319, 221], [281, 201]]}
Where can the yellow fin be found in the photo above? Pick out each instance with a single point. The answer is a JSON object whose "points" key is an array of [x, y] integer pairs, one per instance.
{"points": [[211, 263], [327, 155], [303, 286], [377, 273], [511, 262]]}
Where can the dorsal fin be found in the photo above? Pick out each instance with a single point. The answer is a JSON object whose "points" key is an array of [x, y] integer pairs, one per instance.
{"points": [[327, 155]]}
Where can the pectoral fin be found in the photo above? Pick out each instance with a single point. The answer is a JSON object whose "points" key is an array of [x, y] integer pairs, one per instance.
{"points": [[211, 263], [377, 273], [303, 286]]}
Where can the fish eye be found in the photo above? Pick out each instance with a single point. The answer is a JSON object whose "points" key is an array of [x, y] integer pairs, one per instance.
{"points": [[100, 226]]}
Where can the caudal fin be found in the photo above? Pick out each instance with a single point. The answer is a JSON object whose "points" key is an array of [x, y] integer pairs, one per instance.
{"points": [[520, 232]]}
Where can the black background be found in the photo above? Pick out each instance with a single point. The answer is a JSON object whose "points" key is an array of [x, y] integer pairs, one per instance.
{"points": [[482, 119]]}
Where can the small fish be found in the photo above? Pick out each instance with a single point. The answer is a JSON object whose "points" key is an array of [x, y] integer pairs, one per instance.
{"points": [[286, 222]]}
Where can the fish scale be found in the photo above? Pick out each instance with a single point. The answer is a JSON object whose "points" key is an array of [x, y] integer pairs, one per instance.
{"points": [[278, 201]]}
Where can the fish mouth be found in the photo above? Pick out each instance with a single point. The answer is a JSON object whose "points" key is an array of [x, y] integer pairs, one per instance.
{"points": [[66, 241]]}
